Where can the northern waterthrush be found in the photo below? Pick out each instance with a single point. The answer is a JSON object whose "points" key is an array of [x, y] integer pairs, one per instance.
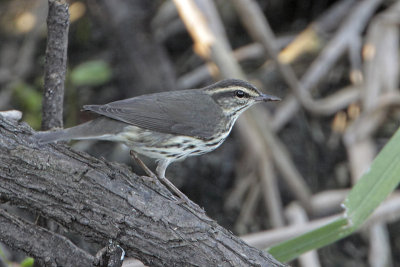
{"points": [[168, 126]]}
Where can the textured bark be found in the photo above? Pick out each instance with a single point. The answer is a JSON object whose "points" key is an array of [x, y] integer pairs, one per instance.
{"points": [[45, 245], [103, 201], [55, 67]]}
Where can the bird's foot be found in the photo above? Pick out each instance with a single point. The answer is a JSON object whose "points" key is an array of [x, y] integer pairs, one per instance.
{"points": [[183, 199], [149, 179]]}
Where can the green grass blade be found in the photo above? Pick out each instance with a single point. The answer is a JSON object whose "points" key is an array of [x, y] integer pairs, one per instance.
{"points": [[291, 249], [371, 190]]}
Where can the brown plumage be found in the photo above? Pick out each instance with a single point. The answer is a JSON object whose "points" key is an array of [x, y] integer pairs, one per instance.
{"points": [[168, 126]]}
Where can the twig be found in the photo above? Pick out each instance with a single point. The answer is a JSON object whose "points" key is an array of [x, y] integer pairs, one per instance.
{"points": [[297, 216], [55, 67], [283, 162], [260, 30], [351, 27], [272, 197], [379, 248], [388, 212], [265, 239], [250, 51], [381, 75], [234, 199], [248, 209], [326, 106], [327, 202], [269, 186]]}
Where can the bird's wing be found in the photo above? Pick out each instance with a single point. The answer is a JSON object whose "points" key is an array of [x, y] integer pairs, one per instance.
{"points": [[186, 112]]}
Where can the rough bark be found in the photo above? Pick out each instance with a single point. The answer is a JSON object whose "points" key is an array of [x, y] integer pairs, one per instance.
{"points": [[45, 245], [105, 201], [55, 67]]}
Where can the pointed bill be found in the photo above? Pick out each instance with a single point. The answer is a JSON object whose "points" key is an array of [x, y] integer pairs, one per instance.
{"points": [[266, 98]]}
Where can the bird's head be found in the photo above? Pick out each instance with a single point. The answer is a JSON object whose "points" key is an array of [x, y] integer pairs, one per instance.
{"points": [[235, 96]]}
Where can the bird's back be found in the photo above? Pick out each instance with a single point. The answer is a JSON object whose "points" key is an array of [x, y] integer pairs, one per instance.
{"points": [[186, 112]]}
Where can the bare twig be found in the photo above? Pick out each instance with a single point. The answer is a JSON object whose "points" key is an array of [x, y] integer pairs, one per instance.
{"points": [[380, 252], [297, 216], [260, 30], [388, 212], [283, 162], [381, 76], [271, 196], [272, 237], [250, 51], [351, 27], [248, 209], [235, 197], [55, 67], [326, 106]]}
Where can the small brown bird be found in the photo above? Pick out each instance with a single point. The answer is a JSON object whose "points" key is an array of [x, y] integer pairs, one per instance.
{"points": [[168, 126]]}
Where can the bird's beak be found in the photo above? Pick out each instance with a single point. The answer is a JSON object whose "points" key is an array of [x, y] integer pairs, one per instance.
{"points": [[265, 98]]}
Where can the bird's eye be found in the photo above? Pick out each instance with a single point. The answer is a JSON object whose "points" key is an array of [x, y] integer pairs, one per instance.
{"points": [[239, 93]]}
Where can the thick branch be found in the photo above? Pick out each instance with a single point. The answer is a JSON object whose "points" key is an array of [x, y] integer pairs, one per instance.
{"points": [[37, 241], [103, 201], [55, 67]]}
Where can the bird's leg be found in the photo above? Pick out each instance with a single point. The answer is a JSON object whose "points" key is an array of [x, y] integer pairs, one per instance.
{"points": [[143, 166], [160, 170]]}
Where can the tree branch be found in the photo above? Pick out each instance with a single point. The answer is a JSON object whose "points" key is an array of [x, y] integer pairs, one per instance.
{"points": [[55, 67], [102, 201], [45, 245]]}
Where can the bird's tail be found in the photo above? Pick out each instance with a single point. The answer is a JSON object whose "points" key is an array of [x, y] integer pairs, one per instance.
{"points": [[100, 128], [49, 137]]}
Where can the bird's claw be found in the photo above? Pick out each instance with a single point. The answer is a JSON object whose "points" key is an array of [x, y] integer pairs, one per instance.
{"points": [[153, 180], [182, 198], [185, 200]]}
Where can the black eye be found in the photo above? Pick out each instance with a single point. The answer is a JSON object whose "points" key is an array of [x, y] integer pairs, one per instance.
{"points": [[239, 93]]}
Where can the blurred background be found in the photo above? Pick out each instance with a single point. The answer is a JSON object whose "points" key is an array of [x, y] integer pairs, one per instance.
{"points": [[334, 64]]}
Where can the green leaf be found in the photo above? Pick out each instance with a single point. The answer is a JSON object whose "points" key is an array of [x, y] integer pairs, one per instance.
{"points": [[91, 73], [370, 191], [29, 101], [27, 262], [28, 97], [376, 184], [320, 237]]}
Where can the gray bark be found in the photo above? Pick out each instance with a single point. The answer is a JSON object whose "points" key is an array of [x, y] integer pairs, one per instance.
{"points": [[55, 67], [45, 245], [104, 201]]}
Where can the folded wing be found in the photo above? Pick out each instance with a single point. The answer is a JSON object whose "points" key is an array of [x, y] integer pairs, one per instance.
{"points": [[186, 112]]}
